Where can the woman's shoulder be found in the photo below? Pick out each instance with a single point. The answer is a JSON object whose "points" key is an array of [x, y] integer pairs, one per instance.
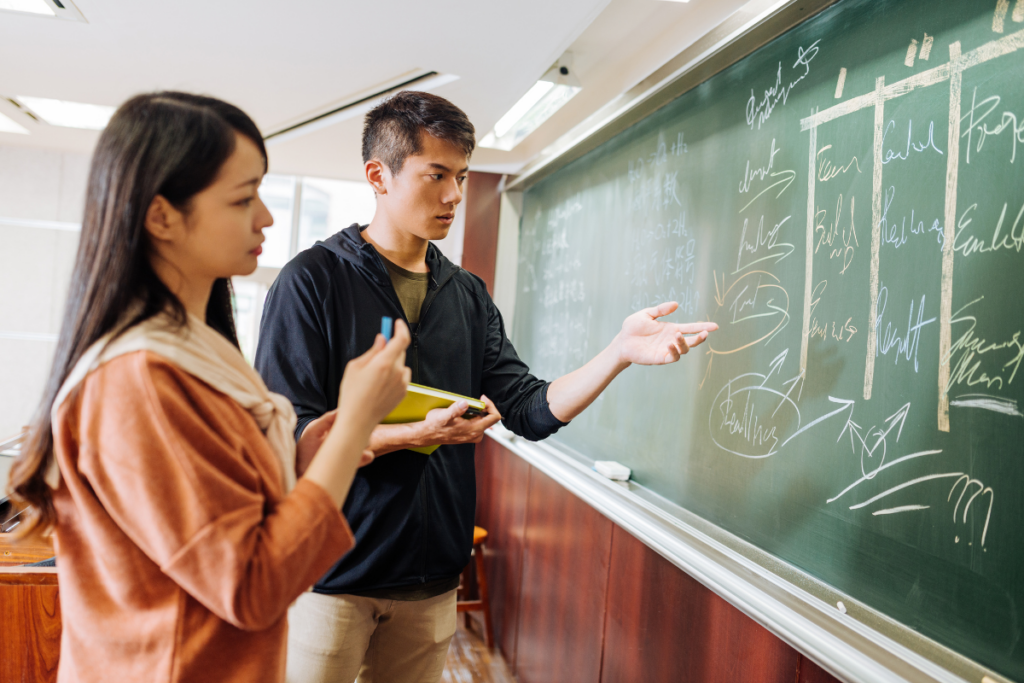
{"points": [[144, 382]]}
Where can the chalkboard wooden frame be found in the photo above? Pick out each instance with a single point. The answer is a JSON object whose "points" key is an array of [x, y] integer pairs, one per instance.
{"points": [[860, 644]]}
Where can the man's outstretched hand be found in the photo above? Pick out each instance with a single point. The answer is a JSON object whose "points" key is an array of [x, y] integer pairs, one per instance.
{"points": [[645, 340]]}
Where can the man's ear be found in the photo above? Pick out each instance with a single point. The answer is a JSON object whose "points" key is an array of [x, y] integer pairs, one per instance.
{"points": [[376, 175], [162, 220]]}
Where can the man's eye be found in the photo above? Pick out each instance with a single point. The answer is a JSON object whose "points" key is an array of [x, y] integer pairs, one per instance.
{"points": [[462, 179], [437, 176]]}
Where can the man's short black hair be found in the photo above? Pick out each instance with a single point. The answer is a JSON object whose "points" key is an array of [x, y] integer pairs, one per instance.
{"points": [[391, 132]]}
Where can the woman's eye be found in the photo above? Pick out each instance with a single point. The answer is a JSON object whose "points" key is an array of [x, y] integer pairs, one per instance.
{"points": [[247, 201]]}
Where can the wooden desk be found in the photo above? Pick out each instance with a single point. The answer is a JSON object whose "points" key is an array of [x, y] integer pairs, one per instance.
{"points": [[30, 608], [13, 554]]}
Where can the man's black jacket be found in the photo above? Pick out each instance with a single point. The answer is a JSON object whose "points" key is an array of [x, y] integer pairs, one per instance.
{"points": [[412, 514]]}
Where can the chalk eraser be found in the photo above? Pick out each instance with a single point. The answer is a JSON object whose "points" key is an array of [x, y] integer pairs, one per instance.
{"points": [[612, 469]]}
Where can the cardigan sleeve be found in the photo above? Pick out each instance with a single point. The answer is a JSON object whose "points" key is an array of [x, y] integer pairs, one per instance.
{"points": [[186, 475]]}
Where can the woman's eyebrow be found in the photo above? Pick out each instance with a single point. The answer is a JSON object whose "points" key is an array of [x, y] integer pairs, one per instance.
{"points": [[251, 181]]}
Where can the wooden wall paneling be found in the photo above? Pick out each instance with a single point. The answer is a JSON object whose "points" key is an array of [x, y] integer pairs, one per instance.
{"points": [[480, 244], [564, 583], [503, 480], [663, 625], [812, 673], [29, 624]]}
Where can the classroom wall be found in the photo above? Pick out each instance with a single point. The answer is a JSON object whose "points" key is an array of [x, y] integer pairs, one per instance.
{"points": [[41, 197]]}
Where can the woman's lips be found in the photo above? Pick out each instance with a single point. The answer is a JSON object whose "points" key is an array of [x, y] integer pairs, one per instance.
{"points": [[257, 251]]}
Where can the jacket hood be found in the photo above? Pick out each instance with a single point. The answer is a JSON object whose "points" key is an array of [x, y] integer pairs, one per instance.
{"points": [[349, 245]]}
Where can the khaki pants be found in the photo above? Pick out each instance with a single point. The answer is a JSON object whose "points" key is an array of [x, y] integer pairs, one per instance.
{"points": [[335, 638]]}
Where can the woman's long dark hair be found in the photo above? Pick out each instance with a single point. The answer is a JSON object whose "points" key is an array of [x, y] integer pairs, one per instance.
{"points": [[170, 144]]}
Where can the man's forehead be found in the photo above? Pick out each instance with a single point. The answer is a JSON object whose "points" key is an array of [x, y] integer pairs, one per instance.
{"points": [[439, 154]]}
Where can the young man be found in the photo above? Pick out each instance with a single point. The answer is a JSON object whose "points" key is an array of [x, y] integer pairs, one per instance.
{"points": [[386, 610]]}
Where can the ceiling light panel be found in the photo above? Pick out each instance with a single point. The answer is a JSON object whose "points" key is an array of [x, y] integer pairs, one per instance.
{"points": [[29, 6], [9, 126], [68, 114]]}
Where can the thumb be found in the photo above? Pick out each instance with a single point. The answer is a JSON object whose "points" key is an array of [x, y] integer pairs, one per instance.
{"points": [[457, 409], [375, 348]]}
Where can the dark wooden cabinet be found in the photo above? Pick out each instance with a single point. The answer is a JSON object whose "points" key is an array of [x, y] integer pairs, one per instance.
{"points": [[576, 598], [564, 585]]}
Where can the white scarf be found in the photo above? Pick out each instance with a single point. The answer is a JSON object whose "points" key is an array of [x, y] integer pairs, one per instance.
{"points": [[201, 351]]}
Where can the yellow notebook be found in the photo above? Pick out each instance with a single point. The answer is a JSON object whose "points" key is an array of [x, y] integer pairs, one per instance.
{"points": [[421, 400]]}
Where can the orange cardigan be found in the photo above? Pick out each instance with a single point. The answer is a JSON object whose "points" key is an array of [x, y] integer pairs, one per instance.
{"points": [[178, 552]]}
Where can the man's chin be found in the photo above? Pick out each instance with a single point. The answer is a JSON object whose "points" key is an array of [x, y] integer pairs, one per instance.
{"points": [[436, 232]]}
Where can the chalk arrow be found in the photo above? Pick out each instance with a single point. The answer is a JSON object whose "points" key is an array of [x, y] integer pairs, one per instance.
{"points": [[797, 381], [776, 365], [719, 293], [845, 404]]}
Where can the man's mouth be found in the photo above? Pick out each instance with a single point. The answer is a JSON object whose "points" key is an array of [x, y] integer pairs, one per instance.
{"points": [[446, 218]]}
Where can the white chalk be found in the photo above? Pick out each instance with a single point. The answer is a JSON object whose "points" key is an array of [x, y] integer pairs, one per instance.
{"points": [[612, 469], [841, 606]]}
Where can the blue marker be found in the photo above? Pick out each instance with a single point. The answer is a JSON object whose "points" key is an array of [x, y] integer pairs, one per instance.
{"points": [[386, 326]]}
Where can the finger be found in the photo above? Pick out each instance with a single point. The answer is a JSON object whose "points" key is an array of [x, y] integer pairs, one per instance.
{"points": [[375, 348], [367, 457], [661, 309], [680, 345], [328, 418], [457, 409], [400, 340], [694, 328], [491, 408], [696, 339]]}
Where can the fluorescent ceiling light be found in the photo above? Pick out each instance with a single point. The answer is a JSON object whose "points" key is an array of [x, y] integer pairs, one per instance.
{"points": [[519, 109], [69, 114], [540, 102], [9, 126], [30, 6]]}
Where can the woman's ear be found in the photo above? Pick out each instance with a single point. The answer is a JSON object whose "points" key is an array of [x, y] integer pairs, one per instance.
{"points": [[163, 221]]}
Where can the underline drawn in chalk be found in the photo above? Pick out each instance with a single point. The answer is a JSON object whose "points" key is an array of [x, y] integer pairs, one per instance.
{"points": [[951, 71], [996, 404]]}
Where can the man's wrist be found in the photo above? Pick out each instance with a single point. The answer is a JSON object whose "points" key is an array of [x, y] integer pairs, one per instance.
{"points": [[618, 355], [388, 438]]}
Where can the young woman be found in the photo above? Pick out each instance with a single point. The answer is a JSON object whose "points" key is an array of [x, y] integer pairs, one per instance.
{"points": [[159, 459]]}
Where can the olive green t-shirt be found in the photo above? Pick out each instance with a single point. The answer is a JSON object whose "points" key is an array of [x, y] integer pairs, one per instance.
{"points": [[411, 288]]}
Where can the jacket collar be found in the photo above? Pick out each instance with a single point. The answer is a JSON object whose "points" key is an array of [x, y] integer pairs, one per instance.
{"points": [[350, 245]]}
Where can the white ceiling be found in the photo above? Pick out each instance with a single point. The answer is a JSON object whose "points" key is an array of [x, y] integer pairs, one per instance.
{"points": [[281, 61]]}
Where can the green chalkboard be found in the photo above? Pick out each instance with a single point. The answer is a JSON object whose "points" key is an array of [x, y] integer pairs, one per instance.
{"points": [[847, 202]]}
